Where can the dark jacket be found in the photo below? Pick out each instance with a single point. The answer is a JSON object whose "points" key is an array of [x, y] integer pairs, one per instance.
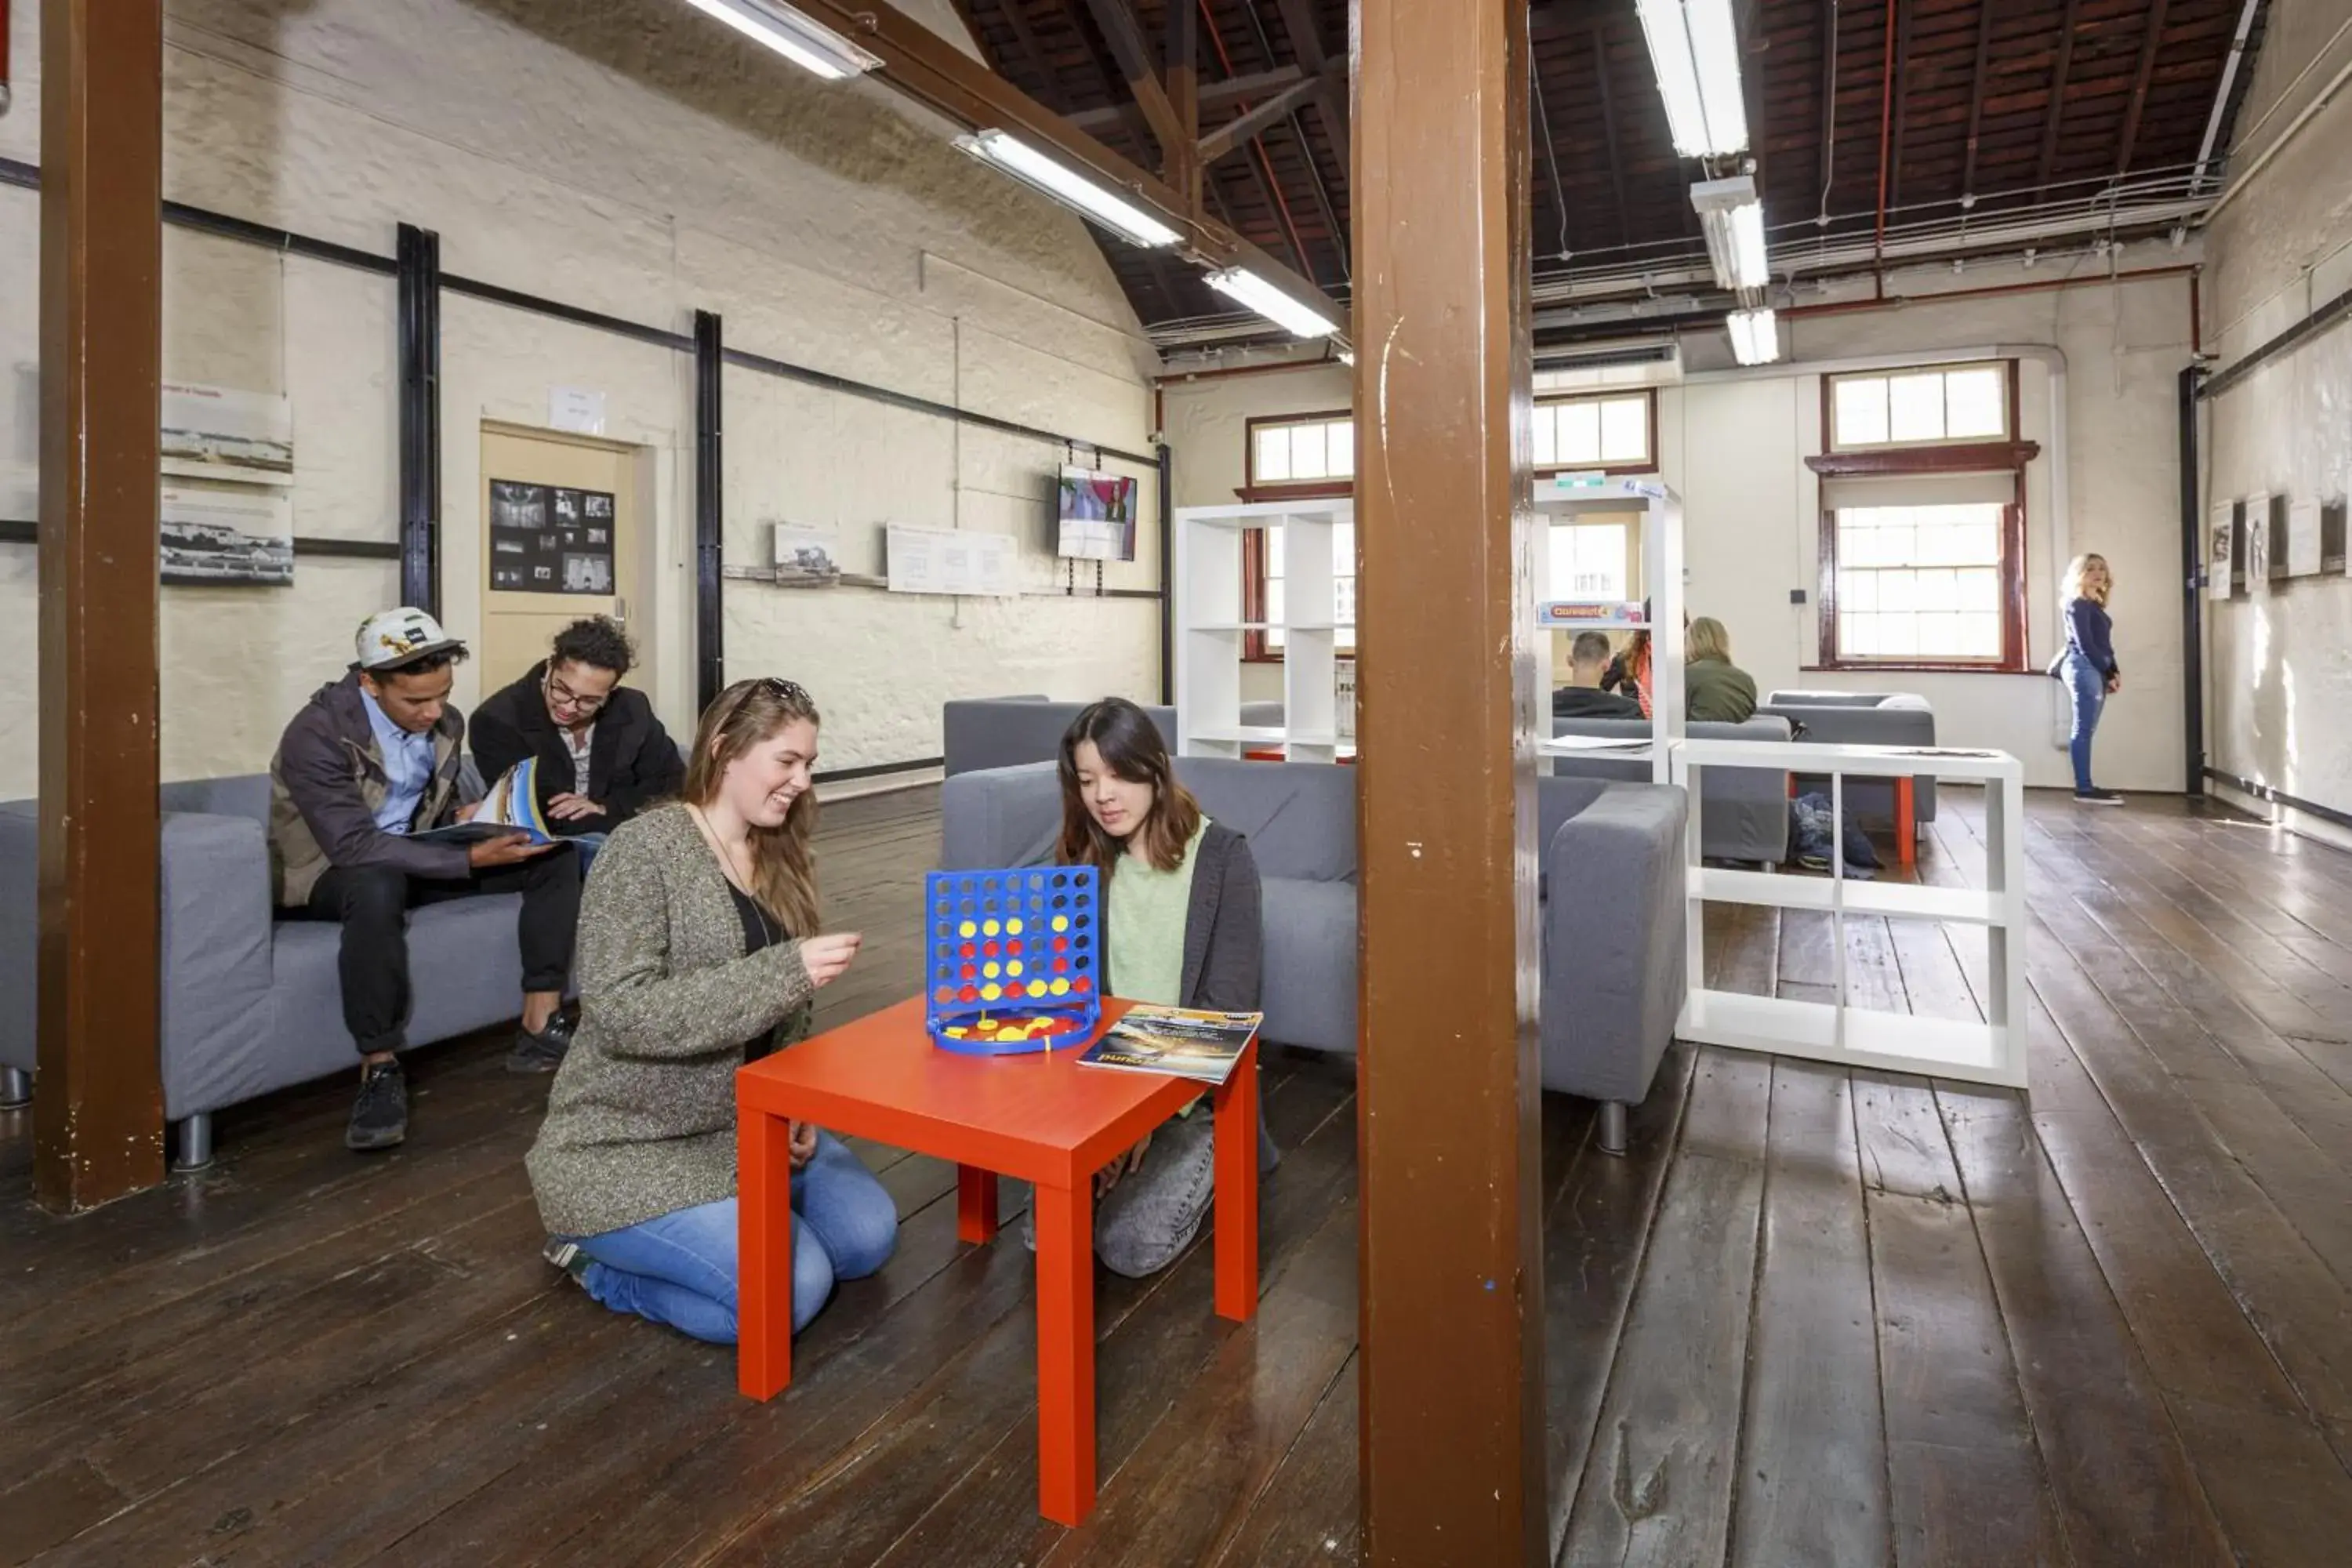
{"points": [[1719, 693], [631, 760], [325, 784], [1223, 929], [1591, 702], [2090, 632]]}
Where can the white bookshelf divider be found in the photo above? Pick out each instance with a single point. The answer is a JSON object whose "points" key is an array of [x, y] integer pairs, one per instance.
{"points": [[1211, 634], [1568, 496]]}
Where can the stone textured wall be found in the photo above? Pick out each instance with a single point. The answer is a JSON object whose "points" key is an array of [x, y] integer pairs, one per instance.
{"points": [[642, 161], [2280, 675]]}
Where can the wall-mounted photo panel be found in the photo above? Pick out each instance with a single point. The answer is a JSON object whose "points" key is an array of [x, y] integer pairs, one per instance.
{"points": [[2221, 530]]}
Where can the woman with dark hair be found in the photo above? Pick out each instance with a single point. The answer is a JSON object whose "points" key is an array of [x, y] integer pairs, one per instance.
{"points": [[1181, 903], [699, 950]]}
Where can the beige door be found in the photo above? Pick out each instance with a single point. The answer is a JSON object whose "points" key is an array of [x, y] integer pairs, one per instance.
{"points": [[559, 542]]}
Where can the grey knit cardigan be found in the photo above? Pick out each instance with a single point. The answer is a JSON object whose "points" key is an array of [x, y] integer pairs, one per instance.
{"points": [[641, 1119]]}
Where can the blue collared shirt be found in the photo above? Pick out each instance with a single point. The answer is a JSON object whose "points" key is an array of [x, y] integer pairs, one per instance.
{"points": [[407, 765]]}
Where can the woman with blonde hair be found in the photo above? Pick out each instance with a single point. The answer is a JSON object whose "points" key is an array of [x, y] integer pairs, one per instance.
{"points": [[1717, 691], [2088, 667], [700, 950]]}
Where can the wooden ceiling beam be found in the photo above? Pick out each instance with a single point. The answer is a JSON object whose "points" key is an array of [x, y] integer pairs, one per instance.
{"points": [[924, 66], [1180, 62], [1903, 15], [2146, 73], [1609, 132], [2056, 114], [1124, 33], [1976, 95], [1222, 140], [1299, 21], [1213, 95], [1825, 153]]}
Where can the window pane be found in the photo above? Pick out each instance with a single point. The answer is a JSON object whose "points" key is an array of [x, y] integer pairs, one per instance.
{"points": [[1915, 407], [1273, 454], [1341, 455], [1898, 637], [1580, 432], [1857, 636], [1898, 591], [1307, 460], [1980, 636], [1857, 591], [1343, 595], [1626, 430], [1546, 428], [1859, 411], [1939, 636], [1978, 591], [1274, 600], [1976, 403], [1938, 590]]}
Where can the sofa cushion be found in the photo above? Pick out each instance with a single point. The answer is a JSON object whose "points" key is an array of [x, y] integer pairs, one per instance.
{"points": [[246, 795], [1308, 992], [1299, 817]]}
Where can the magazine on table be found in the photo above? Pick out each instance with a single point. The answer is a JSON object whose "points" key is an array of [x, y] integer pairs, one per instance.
{"points": [[1177, 1041], [511, 808]]}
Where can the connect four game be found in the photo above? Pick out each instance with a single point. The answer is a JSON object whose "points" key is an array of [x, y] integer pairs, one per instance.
{"points": [[1013, 959]]}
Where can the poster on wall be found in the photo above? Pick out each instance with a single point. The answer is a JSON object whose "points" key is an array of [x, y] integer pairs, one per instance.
{"points": [[226, 537], [2258, 544], [2220, 529], [217, 433], [548, 539], [1095, 513], [2302, 538], [953, 560]]}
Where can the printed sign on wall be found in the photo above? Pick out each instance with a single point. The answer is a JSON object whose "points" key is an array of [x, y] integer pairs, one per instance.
{"points": [[546, 539]]}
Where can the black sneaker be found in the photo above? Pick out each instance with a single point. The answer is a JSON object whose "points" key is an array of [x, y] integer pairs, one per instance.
{"points": [[2097, 797], [567, 1255], [380, 1116], [543, 1051]]}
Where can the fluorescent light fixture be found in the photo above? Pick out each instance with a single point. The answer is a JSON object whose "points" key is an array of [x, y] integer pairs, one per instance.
{"points": [[807, 43], [1033, 168], [1755, 336], [1247, 288], [1734, 221], [1695, 52]]}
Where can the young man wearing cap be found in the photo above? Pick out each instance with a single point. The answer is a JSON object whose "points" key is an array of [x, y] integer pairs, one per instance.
{"points": [[370, 760], [602, 755]]}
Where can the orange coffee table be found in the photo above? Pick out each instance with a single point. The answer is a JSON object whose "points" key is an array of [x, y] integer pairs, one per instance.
{"points": [[1040, 1119]]}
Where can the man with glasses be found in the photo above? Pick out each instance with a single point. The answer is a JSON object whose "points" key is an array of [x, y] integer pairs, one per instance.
{"points": [[602, 755]]}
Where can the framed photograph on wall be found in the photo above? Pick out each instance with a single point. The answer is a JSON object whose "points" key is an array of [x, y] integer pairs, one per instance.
{"points": [[1094, 514], [2258, 544], [225, 537], [2221, 530], [217, 433]]}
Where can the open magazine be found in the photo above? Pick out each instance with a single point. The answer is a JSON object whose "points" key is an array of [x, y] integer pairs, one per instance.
{"points": [[1177, 1041], [511, 808]]}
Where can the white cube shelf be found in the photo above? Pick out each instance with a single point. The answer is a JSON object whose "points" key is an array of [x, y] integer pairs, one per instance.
{"points": [[1213, 630]]}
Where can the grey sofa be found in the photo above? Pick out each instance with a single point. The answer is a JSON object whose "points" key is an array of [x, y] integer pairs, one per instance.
{"points": [[1614, 951], [1863, 719], [252, 1004], [1005, 731], [1743, 812]]}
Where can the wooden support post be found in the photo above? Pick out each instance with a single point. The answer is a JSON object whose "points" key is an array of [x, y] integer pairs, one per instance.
{"points": [[1452, 1434], [98, 1129]]}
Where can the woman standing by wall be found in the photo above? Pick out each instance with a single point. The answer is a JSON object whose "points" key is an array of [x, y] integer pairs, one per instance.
{"points": [[699, 951], [2088, 667]]}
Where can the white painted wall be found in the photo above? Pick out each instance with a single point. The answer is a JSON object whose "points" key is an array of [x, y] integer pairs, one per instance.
{"points": [[2280, 675], [642, 161], [1734, 447]]}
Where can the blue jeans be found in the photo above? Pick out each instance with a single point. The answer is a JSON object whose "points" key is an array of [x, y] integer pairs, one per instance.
{"points": [[2088, 688], [679, 1269]]}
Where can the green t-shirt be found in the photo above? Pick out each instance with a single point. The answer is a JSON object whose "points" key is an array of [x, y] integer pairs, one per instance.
{"points": [[1148, 907]]}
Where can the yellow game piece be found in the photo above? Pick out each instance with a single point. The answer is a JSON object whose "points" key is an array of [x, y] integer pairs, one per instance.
{"points": [[1036, 988], [991, 993], [1061, 922], [990, 969], [966, 928], [1061, 988], [1012, 928], [990, 928], [1013, 968]]}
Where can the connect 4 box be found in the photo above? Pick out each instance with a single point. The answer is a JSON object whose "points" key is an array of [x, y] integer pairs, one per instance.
{"points": [[1013, 959]]}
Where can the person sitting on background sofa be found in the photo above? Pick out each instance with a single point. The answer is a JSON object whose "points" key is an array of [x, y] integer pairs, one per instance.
{"points": [[1719, 691], [1583, 697], [370, 760], [602, 755], [1182, 928]]}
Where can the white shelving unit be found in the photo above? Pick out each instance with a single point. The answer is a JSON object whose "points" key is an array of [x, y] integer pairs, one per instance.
{"points": [[1991, 1051], [1567, 496], [1211, 629]]}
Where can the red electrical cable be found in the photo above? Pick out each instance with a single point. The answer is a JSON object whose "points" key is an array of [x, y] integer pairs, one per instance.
{"points": [[1297, 246]]}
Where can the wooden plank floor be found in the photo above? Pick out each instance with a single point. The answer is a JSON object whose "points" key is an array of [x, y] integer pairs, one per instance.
{"points": [[1815, 1317]]}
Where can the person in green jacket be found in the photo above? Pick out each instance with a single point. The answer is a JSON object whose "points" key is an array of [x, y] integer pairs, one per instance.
{"points": [[1718, 691]]}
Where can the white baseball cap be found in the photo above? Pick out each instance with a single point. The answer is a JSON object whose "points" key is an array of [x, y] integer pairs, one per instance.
{"points": [[392, 638]]}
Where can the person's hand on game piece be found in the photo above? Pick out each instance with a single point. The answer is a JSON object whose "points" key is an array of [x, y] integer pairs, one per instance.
{"points": [[802, 1143], [825, 957], [1109, 1176], [569, 807]]}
